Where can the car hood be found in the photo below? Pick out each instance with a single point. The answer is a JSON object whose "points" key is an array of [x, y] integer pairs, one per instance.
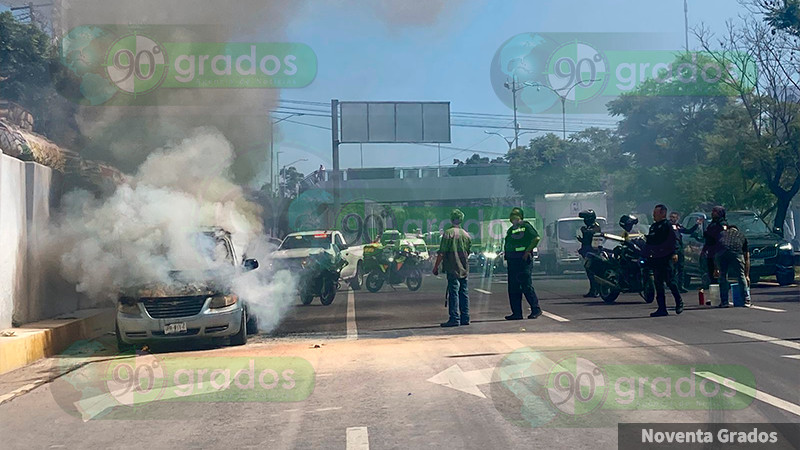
{"points": [[184, 283], [296, 253]]}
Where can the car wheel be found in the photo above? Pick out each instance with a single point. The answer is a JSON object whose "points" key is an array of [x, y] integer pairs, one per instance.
{"points": [[358, 280], [122, 346], [240, 338], [784, 278]]}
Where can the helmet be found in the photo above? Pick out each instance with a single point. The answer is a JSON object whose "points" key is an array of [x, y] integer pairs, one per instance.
{"points": [[627, 222], [588, 216]]}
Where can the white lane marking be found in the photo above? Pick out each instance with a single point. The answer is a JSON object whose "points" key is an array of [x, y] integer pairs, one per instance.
{"points": [[333, 408], [791, 356], [764, 308], [501, 282], [483, 291], [554, 317], [761, 337], [352, 330], [752, 392], [357, 438]]}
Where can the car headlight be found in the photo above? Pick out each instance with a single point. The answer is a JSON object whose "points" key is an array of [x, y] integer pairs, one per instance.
{"points": [[222, 301], [490, 255], [786, 247], [391, 258], [129, 306]]}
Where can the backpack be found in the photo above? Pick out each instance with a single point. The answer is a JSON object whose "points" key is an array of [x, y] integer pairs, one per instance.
{"points": [[733, 240]]}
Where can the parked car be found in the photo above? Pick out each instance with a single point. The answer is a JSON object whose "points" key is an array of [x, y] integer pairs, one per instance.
{"points": [[770, 253], [197, 303]]}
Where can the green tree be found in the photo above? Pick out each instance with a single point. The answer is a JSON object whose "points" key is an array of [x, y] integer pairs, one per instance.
{"points": [[29, 67]]}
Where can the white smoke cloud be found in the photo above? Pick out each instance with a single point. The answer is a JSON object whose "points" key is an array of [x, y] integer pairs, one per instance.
{"points": [[148, 227]]}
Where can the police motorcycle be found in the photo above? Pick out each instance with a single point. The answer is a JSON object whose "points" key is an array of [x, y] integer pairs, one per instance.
{"points": [[319, 277], [624, 268], [392, 265]]}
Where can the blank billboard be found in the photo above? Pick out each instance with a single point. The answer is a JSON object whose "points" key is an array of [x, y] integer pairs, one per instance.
{"points": [[395, 122]]}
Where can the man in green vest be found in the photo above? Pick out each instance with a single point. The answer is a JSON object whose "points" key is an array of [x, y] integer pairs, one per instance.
{"points": [[520, 241]]}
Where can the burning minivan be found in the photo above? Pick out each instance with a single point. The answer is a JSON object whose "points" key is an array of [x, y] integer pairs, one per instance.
{"points": [[195, 302]]}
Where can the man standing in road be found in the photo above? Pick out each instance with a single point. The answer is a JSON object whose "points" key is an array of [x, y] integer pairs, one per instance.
{"points": [[520, 241], [454, 251], [680, 230], [712, 247], [588, 230], [661, 251], [735, 258]]}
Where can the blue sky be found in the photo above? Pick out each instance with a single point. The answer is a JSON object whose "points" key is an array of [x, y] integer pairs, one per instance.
{"points": [[361, 57]]}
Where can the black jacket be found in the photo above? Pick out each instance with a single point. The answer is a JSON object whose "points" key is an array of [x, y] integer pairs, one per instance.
{"points": [[661, 241], [587, 235]]}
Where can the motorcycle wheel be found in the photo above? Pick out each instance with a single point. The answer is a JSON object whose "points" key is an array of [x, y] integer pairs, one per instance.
{"points": [[328, 293], [306, 297], [608, 293], [374, 282], [414, 281]]}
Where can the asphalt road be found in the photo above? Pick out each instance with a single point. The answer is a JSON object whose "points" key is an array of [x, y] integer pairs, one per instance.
{"points": [[376, 371]]}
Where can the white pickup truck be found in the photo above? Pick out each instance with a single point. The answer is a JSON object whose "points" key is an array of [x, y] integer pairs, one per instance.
{"points": [[296, 247]]}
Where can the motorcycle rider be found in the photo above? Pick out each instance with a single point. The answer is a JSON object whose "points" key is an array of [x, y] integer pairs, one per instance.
{"points": [[588, 230], [520, 241], [454, 251], [661, 251], [680, 230]]}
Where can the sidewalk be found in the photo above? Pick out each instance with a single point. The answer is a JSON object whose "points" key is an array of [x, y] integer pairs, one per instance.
{"points": [[31, 342]]}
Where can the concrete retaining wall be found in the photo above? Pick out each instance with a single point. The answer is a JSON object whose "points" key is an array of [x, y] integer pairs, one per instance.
{"points": [[31, 288]]}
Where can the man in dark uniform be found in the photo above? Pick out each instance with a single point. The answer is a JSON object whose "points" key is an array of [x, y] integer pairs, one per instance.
{"points": [[662, 252], [520, 241], [680, 230], [588, 230], [712, 247]]}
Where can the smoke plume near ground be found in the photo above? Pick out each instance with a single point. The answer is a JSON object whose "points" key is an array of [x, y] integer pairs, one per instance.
{"points": [[148, 229]]}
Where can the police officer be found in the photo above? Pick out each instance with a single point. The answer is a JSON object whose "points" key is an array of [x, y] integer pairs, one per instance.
{"points": [[680, 230], [588, 230], [662, 252], [520, 241]]}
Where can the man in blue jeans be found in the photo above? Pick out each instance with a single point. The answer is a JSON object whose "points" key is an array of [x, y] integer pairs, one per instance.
{"points": [[734, 259], [454, 251]]}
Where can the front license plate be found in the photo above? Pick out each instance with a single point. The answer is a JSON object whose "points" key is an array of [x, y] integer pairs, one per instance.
{"points": [[175, 328], [757, 262]]}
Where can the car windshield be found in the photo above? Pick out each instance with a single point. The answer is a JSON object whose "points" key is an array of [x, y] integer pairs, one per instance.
{"points": [[306, 241], [750, 224]]}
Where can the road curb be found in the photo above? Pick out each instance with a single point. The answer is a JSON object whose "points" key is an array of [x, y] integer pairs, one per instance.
{"points": [[38, 340]]}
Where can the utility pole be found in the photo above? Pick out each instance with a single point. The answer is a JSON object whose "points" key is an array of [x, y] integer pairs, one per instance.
{"points": [[513, 87], [686, 22], [335, 154]]}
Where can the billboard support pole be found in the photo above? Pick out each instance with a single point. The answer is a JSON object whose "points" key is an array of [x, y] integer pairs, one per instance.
{"points": [[335, 149]]}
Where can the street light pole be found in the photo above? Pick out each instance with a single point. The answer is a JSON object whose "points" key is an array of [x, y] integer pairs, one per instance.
{"points": [[563, 98], [274, 178], [510, 142], [513, 87]]}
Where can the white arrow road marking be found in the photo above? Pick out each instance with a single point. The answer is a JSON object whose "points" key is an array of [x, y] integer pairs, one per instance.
{"points": [[764, 308], [791, 356], [357, 438], [455, 378], [752, 392], [761, 337], [352, 329], [483, 291], [554, 317]]}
